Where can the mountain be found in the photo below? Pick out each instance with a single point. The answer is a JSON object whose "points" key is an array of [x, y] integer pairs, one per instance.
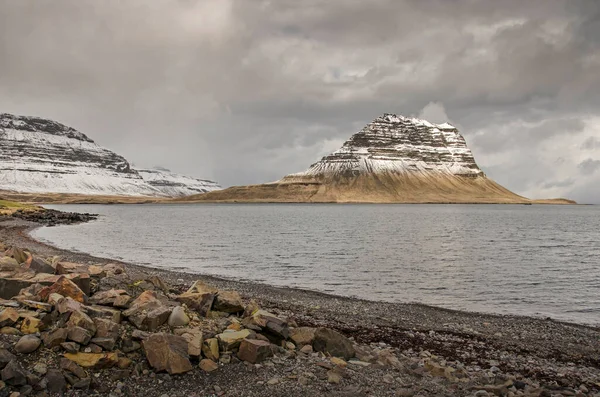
{"points": [[394, 159], [175, 185], [43, 156]]}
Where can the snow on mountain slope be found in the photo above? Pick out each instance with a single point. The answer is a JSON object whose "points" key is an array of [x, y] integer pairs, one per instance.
{"points": [[399, 145], [175, 185], [42, 156]]}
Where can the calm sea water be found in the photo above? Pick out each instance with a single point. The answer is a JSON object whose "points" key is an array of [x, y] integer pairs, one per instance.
{"points": [[531, 260]]}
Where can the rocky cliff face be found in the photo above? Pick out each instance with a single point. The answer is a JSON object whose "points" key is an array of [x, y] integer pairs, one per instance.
{"points": [[176, 185], [42, 156], [398, 145], [392, 159]]}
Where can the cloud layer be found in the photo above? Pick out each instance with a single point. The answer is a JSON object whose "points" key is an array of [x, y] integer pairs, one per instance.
{"points": [[246, 91]]}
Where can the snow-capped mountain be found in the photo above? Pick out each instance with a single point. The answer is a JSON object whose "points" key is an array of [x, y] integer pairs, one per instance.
{"points": [[43, 156], [394, 159], [175, 185], [399, 145]]}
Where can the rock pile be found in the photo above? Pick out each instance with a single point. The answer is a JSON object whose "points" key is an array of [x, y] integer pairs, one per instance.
{"points": [[49, 217], [88, 318]]}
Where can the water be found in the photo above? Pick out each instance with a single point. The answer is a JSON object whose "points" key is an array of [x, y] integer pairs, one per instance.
{"points": [[531, 260]]}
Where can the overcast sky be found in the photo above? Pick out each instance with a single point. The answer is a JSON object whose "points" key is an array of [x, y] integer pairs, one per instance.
{"points": [[245, 91]]}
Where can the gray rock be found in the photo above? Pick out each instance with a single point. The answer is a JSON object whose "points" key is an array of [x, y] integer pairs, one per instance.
{"points": [[28, 344], [56, 381], [333, 343], [178, 318], [13, 374]]}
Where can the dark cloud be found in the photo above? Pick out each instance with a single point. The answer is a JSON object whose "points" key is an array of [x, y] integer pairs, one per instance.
{"points": [[589, 166], [244, 91]]}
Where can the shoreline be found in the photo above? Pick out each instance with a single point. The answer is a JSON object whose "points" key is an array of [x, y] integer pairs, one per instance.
{"points": [[510, 343], [172, 274]]}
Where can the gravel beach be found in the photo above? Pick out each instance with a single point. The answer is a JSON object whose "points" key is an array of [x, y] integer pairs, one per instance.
{"points": [[436, 352]]}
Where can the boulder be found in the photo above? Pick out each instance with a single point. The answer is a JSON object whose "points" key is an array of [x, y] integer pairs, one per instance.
{"points": [[38, 265], [106, 328], [108, 313], [8, 264], [210, 349], [72, 367], [31, 325], [302, 336], [194, 338], [254, 351], [70, 347], [8, 317], [147, 312], [166, 352], [178, 318], [13, 374], [333, 343], [67, 305], [94, 360], [54, 338], [66, 288], [107, 297], [122, 301], [45, 307], [80, 319], [228, 302], [97, 271], [199, 302], [79, 335], [70, 268], [208, 365], [105, 343], [16, 253], [6, 357], [28, 344], [231, 340], [269, 322], [56, 381], [200, 287]]}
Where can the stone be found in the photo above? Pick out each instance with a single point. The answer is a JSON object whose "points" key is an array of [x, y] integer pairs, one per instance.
{"points": [[106, 328], [67, 305], [8, 264], [31, 325], [271, 323], [54, 338], [147, 312], [8, 317], [210, 349], [200, 287], [166, 352], [307, 349], [105, 343], [39, 265], [28, 344], [93, 348], [231, 340], [80, 319], [107, 297], [65, 268], [122, 301], [254, 351], [70, 347], [45, 307], [57, 383], [334, 376], [208, 365], [338, 362], [194, 338], [96, 311], [10, 331], [97, 271], [333, 343], [72, 367], [6, 357], [228, 302], [199, 302], [128, 346], [94, 360], [79, 335], [66, 288], [40, 369], [178, 318], [54, 298], [13, 374], [83, 384], [17, 254]]}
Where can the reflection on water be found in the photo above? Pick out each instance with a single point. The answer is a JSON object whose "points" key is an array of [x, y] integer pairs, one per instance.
{"points": [[534, 260]]}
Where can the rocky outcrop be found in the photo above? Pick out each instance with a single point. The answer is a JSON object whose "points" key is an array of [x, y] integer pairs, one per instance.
{"points": [[393, 159], [43, 156]]}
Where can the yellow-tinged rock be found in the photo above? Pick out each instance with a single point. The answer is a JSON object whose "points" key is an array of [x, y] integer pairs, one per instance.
{"points": [[235, 326], [231, 340], [31, 325], [339, 362], [94, 360], [210, 348], [8, 317]]}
